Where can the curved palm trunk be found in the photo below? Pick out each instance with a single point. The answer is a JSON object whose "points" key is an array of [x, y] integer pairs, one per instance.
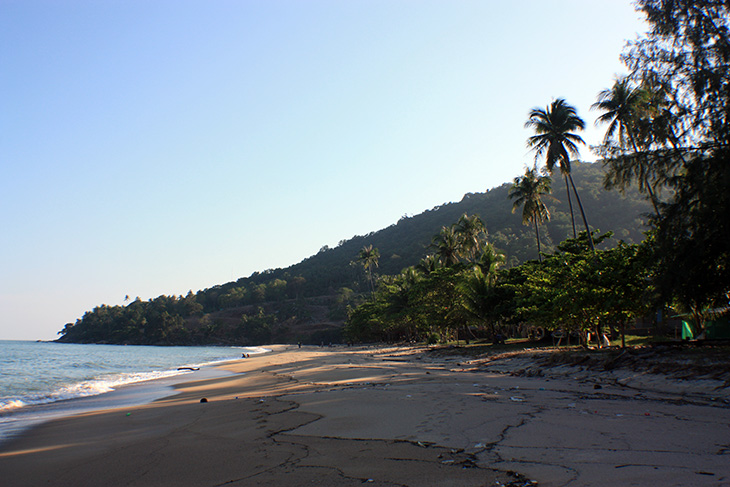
{"points": [[570, 204], [583, 214]]}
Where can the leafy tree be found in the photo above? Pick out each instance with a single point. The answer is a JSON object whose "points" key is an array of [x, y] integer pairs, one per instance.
{"points": [[686, 55], [257, 327], [527, 191], [554, 138], [577, 290]]}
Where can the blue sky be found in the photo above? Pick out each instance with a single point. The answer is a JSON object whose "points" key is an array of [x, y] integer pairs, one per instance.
{"points": [[153, 148]]}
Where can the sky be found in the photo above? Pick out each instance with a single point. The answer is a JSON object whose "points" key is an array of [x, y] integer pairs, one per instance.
{"points": [[151, 148]]}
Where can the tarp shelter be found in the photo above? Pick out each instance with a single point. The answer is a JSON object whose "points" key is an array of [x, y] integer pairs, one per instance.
{"points": [[717, 325]]}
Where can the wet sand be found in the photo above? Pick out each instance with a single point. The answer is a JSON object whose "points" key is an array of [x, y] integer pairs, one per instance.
{"points": [[387, 416]]}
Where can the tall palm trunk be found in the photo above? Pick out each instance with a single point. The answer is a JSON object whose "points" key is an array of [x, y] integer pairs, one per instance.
{"points": [[570, 205], [583, 214], [537, 236]]}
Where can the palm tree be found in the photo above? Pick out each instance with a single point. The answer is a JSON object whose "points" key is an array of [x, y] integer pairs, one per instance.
{"points": [[477, 298], [477, 288], [369, 257], [448, 247], [428, 264], [527, 191], [554, 138], [470, 230], [622, 107], [624, 110], [489, 262]]}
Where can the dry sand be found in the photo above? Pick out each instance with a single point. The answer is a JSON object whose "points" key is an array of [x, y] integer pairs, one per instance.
{"points": [[395, 417]]}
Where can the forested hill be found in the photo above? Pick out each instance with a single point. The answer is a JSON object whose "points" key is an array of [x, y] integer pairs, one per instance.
{"points": [[406, 242], [307, 301]]}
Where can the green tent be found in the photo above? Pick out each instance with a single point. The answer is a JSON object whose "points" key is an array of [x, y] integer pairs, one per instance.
{"points": [[717, 325]]}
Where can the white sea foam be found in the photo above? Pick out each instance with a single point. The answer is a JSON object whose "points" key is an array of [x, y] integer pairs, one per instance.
{"points": [[42, 373], [39, 378], [11, 404], [86, 388]]}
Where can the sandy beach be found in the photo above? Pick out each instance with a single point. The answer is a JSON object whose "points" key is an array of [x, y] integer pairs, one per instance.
{"points": [[391, 417]]}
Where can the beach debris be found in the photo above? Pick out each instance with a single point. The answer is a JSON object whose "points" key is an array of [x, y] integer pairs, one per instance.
{"points": [[516, 399], [188, 368], [571, 405], [129, 414], [480, 445], [204, 399]]}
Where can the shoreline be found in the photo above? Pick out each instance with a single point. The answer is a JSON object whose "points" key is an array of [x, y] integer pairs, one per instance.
{"points": [[121, 383], [17, 422], [381, 415]]}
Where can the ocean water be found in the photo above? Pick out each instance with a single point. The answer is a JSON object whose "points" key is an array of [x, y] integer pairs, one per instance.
{"points": [[43, 380]]}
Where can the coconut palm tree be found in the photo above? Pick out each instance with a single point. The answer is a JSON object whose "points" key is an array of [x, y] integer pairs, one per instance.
{"points": [[471, 232], [622, 106], [448, 247], [625, 110], [369, 257], [527, 191], [554, 138], [428, 264], [490, 261]]}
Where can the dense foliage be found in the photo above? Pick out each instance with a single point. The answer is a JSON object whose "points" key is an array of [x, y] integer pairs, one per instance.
{"points": [[572, 290]]}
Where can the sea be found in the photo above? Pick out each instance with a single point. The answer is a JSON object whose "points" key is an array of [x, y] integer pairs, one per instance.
{"points": [[40, 381]]}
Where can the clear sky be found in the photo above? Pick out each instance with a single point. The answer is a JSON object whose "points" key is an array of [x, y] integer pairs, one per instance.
{"points": [[152, 148]]}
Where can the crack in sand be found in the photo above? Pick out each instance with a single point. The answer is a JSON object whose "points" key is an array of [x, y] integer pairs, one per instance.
{"points": [[309, 458]]}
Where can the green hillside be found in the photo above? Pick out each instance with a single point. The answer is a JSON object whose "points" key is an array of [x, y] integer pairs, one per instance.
{"points": [[406, 242], [308, 301]]}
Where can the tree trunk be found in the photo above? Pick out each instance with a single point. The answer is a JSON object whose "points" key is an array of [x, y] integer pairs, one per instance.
{"points": [[583, 214], [570, 205], [652, 196], [537, 236]]}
